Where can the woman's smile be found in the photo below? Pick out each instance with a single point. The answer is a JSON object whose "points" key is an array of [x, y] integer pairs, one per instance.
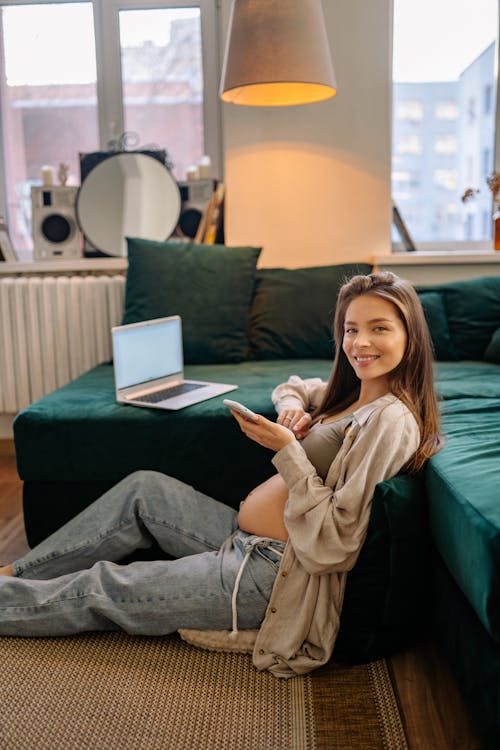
{"points": [[365, 359]]}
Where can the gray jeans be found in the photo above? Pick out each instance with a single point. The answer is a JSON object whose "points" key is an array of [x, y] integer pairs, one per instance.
{"points": [[71, 582]]}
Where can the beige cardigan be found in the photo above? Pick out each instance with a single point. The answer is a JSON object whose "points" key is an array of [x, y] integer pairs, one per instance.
{"points": [[327, 525]]}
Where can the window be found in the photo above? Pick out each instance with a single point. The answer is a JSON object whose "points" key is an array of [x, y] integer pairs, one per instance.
{"points": [[162, 80], [471, 110], [488, 95], [446, 111], [49, 110], [446, 179], [455, 83], [469, 171], [445, 144], [409, 144], [409, 110], [450, 212], [406, 178], [469, 226], [487, 219], [157, 79], [487, 161]]}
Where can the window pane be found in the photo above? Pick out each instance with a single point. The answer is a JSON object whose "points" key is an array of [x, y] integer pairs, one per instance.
{"points": [[49, 100], [163, 81], [444, 116]]}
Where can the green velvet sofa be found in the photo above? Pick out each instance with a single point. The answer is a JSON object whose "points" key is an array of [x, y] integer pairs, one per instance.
{"points": [[432, 554], [463, 497]]}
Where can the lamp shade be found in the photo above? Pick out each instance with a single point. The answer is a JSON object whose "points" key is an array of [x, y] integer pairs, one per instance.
{"points": [[277, 54]]}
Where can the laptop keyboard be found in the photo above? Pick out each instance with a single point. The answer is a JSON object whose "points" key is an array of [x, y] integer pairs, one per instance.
{"points": [[174, 390]]}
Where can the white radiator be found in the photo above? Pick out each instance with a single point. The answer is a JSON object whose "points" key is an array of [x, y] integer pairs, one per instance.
{"points": [[52, 329]]}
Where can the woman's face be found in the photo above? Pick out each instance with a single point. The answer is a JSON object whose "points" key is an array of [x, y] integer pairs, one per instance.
{"points": [[374, 338]]}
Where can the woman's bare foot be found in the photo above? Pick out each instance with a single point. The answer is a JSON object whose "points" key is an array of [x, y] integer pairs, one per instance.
{"points": [[7, 570]]}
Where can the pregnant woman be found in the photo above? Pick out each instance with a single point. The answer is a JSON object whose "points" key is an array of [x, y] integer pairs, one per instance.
{"points": [[279, 565]]}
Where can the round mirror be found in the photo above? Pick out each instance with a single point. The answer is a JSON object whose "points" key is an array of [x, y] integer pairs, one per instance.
{"points": [[127, 195]]}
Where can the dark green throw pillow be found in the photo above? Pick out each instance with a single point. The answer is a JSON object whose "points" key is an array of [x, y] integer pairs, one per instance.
{"points": [[209, 286], [492, 353], [473, 313], [293, 309], [435, 315]]}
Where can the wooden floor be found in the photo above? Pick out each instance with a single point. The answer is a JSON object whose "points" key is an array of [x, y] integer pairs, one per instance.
{"points": [[433, 713]]}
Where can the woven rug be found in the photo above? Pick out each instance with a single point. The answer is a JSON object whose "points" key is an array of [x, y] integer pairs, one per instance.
{"points": [[110, 691]]}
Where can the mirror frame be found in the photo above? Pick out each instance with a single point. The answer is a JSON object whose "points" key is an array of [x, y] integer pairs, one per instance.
{"points": [[103, 196]]}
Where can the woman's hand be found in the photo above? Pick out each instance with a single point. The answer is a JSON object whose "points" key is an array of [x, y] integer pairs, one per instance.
{"points": [[296, 420], [266, 433]]}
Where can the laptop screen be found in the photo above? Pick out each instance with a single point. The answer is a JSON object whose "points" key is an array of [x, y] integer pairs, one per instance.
{"points": [[147, 352]]}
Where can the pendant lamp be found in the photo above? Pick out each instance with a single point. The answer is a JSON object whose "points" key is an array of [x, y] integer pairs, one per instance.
{"points": [[277, 54]]}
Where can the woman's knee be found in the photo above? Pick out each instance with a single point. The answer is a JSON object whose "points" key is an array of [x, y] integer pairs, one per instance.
{"points": [[145, 478], [146, 485]]}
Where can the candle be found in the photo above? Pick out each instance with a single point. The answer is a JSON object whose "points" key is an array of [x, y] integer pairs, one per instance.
{"points": [[47, 176], [192, 173], [205, 167]]}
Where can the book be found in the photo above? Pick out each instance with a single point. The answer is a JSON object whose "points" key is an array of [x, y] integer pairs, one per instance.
{"points": [[7, 252], [214, 214], [203, 222]]}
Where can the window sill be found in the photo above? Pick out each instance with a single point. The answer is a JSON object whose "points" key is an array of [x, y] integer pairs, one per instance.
{"points": [[430, 257], [84, 265], [437, 267]]}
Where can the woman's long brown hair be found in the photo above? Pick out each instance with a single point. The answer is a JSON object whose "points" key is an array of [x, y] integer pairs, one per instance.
{"points": [[411, 381]]}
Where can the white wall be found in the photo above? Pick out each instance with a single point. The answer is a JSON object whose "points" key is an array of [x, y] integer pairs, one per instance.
{"points": [[311, 184]]}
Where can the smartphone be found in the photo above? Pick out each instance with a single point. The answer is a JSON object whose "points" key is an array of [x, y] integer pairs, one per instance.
{"points": [[236, 406]]}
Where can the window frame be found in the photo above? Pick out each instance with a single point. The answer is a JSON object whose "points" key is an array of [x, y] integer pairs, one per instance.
{"points": [[450, 247], [108, 67]]}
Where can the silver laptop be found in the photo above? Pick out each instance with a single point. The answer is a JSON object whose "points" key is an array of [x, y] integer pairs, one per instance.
{"points": [[149, 367]]}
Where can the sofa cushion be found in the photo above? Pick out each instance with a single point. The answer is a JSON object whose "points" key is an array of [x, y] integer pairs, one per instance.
{"points": [[467, 379], [492, 353], [473, 312], [292, 310], [209, 286], [435, 315]]}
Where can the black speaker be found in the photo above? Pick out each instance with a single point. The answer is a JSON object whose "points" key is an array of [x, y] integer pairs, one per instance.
{"points": [[195, 195]]}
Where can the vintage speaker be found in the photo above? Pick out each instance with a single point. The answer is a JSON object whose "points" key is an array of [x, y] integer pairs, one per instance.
{"points": [[195, 195], [54, 226]]}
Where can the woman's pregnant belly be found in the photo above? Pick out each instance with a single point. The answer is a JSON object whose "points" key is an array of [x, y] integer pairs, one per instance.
{"points": [[261, 512]]}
